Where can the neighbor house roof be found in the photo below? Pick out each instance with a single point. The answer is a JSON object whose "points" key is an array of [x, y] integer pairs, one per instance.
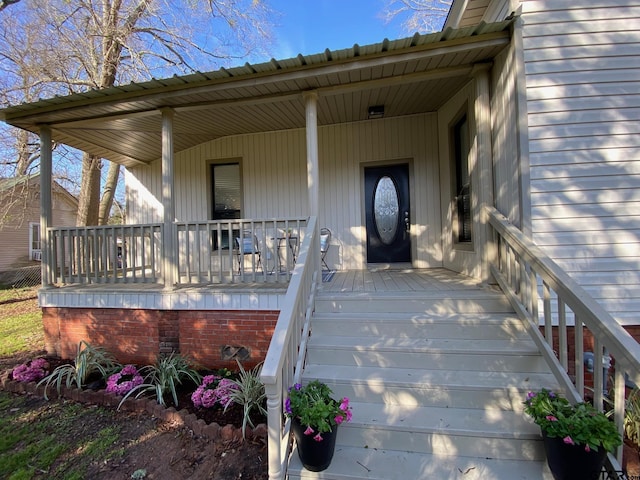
{"points": [[10, 183], [408, 76]]}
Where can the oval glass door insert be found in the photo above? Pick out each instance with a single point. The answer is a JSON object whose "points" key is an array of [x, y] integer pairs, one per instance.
{"points": [[386, 209]]}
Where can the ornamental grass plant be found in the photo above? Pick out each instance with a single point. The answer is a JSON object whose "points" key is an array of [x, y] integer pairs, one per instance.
{"points": [[89, 361], [164, 377], [249, 392], [632, 417], [580, 424]]}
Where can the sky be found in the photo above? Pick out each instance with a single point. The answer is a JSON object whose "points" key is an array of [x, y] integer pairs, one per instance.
{"points": [[311, 26]]}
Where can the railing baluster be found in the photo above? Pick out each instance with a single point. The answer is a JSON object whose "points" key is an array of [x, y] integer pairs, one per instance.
{"points": [[562, 335], [579, 354], [598, 377], [548, 327], [533, 295], [619, 404]]}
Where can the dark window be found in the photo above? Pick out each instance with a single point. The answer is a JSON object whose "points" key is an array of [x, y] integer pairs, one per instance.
{"points": [[462, 223], [225, 181], [226, 200]]}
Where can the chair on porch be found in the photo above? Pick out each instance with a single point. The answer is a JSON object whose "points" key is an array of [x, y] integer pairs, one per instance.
{"points": [[325, 243], [248, 245]]}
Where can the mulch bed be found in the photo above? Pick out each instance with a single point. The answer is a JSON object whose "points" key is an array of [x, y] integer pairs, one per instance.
{"points": [[214, 422]]}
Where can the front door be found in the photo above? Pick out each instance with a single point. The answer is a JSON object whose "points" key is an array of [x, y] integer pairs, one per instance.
{"points": [[386, 194]]}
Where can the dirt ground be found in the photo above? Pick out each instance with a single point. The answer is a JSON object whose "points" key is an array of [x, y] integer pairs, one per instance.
{"points": [[163, 451]]}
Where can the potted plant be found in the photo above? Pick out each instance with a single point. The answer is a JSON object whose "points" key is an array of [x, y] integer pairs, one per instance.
{"points": [[576, 437], [315, 417]]}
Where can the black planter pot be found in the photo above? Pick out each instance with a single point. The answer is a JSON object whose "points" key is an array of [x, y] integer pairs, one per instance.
{"points": [[315, 456], [572, 462]]}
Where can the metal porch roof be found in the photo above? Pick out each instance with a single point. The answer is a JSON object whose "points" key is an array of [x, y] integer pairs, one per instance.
{"points": [[408, 76]]}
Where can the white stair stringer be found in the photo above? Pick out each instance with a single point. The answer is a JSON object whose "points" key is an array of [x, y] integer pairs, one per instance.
{"points": [[436, 383]]}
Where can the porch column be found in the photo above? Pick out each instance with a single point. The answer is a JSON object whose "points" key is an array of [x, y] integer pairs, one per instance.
{"points": [[311, 111], [170, 245], [482, 111], [46, 215]]}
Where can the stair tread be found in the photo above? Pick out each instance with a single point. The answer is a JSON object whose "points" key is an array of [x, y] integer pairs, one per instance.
{"points": [[441, 345], [428, 378], [488, 422], [498, 318], [471, 292], [356, 463]]}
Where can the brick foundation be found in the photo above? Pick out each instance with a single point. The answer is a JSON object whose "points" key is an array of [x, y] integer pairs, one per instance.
{"points": [[138, 336], [205, 334]]}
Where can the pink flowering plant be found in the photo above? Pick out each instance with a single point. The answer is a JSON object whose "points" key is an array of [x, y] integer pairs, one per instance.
{"points": [[314, 407], [31, 371], [124, 381], [213, 390], [580, 424]]}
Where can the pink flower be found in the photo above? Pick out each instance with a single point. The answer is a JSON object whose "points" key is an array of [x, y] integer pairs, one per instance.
{"points": [[309, 431], [124, 381], [318, 438], [587, 448], [568, 440], [551, 418], [339, 419], [345, 404], [30, 371]]}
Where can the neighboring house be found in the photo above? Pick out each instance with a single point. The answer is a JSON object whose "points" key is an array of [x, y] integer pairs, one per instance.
{"points": [[531, 108], [20, 223]]}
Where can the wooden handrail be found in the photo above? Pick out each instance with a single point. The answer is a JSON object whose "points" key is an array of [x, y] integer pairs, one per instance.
{"points": [[285, 358], [523, 271]]}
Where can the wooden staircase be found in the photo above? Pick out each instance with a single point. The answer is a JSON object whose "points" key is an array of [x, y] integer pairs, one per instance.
{"points": [[436, 380]]}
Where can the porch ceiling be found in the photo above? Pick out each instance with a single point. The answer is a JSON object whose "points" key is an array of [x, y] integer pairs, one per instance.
{"points": [[408, 76]]}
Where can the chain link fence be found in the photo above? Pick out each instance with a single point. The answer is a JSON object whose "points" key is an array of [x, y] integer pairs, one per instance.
{"points": [[23, 277]]}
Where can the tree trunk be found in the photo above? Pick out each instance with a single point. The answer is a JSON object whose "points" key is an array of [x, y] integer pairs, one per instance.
{"points": [[89, 200], [108, 193], [24, 155]]}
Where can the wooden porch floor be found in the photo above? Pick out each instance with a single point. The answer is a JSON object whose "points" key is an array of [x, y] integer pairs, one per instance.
{"points": [[369, 280], [398, 280], [269, 295]]}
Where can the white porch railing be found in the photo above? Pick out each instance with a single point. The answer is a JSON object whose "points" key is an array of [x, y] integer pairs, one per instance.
{"points": [[287, 352], [104, 254], [543, 293], [208, 252]]}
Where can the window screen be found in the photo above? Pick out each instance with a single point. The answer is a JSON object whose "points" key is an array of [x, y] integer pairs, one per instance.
{"points": [[225, 180], [463, 181]]}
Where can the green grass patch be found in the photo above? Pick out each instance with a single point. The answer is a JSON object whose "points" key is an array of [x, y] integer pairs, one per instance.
{"points": [[9, 294], [20, 332], [59, 440]]}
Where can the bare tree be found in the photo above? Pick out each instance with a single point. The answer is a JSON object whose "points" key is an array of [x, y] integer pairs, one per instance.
{"points": [[418, 15], [87, 44]]}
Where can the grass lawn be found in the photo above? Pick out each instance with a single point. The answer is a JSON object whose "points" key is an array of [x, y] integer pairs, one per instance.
{"points": [[39, 438], [20, 324]]}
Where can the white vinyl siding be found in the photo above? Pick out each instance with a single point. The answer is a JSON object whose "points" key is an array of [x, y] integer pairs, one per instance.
{"points": [[274, 180], [582, 63], [505, 146]]}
